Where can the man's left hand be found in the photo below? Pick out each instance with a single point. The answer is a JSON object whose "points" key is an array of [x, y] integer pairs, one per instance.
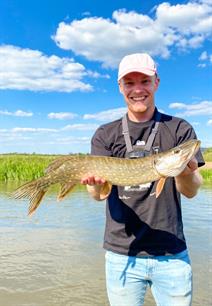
{"points": [[190, 168]]}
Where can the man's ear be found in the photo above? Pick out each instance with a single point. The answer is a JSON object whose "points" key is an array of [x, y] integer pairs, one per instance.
{"points": [[157, 82], [120, 87]]}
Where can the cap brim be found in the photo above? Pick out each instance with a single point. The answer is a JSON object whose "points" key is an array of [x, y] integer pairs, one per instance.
{"points": [[143, 71]]}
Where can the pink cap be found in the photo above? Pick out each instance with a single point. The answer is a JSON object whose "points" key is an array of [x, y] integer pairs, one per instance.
{"points": [[138, 62]]}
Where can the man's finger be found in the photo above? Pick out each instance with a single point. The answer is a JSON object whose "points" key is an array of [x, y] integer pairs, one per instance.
{"points": [[193, 164]]}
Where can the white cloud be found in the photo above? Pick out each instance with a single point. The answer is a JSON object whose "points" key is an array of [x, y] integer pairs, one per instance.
{"points": [[72, 140], [32, 130], [27, 143], [209, 123], [62, 115], [80, 127], [203, 56], [25, 69], [18, 113], [195, 123], [202, 65], [108, 115], [97, 75], [184, 26], [39, 130], [178, 105], [200, 109], [190, 18], [205, 59]]}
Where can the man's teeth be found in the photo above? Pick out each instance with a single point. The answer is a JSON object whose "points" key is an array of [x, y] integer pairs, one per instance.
{"points": [[139, 98]]}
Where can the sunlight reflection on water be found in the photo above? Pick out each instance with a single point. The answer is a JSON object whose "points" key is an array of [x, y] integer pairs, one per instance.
{"points": [[55, 258]]}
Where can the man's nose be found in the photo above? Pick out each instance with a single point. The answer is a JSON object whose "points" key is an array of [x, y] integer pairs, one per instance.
{"points": [[138, 87]]}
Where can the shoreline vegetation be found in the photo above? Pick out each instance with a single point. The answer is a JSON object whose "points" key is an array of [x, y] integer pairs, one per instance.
{"points": [[25, 167]]}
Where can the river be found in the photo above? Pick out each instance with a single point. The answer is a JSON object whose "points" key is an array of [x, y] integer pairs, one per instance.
{"points": [[55, 257]]}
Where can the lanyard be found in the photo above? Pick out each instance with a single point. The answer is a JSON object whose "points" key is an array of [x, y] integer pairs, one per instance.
{"points": [[148, 145]]}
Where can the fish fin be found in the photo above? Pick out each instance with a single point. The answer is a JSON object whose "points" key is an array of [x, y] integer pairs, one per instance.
{"points": [[34, 191], [35, 201], [105, 190], [160, 186], [56, 163], [64, 190]]}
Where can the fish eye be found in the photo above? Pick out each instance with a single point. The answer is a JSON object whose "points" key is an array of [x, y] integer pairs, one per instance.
{"points": [[176, 151]]}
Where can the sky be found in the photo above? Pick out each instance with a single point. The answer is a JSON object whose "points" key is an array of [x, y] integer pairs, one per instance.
{"points": [[59, 60]]}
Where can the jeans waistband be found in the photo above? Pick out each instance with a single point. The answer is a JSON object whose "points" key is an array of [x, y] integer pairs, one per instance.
{"points": [[176, 255]]}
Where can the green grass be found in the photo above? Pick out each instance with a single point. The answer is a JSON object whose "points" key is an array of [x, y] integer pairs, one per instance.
{"points": [[208, 155], [23, 167], [207, 175]]}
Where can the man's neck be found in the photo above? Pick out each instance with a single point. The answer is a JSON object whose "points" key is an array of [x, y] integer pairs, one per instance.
{"points": [[142, 116]]}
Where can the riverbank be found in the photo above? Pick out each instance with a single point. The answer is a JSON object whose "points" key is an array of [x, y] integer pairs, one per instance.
{"points": [[208, 165]]}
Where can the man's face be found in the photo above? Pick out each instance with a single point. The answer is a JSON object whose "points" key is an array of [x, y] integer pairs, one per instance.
{"points": [[138, 90]]}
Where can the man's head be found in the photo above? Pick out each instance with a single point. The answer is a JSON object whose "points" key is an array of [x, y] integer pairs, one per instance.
{"points": [[138, 81]]}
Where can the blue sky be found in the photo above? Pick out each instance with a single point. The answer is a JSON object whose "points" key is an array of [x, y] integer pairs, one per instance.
{"points": [[59, 59]]}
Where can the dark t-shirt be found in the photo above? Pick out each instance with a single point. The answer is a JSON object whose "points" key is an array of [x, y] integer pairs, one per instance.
{"points": [[136, 222]]}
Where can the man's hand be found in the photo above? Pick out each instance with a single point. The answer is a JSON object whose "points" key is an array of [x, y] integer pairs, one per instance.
{"points": [[92, 180], [191, 167], [189, 180], [97, 187]]}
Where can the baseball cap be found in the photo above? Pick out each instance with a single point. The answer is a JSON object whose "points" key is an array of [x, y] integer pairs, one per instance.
{"points": [[138, 62]]}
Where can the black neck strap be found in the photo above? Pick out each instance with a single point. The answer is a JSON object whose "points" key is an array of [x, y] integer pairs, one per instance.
{"points": [[148, 145]]}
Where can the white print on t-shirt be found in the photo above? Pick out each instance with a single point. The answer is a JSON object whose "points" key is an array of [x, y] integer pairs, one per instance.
{"points": [[141, 187], [140, 143], [123, 197]]}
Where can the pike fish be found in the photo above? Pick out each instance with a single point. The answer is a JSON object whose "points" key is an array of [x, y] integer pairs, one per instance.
{"points": [[69, 170]]}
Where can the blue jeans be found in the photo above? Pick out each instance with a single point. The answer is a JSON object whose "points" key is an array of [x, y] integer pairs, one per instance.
{"points": [[169, 277]]}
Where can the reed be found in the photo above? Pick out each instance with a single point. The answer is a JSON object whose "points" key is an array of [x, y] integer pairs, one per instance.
{"points": [[23, 167], [208, 155], [206, 172], [207, 175]]}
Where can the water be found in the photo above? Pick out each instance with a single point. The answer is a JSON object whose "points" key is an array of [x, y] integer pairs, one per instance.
{"points": [[55, 258]]}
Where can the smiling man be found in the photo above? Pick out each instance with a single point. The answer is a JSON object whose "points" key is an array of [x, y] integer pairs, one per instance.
{"points": [[144, 239]]}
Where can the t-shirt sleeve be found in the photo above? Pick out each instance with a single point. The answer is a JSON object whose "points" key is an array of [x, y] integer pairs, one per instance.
{"points": [[186, 132], [99, 144]]}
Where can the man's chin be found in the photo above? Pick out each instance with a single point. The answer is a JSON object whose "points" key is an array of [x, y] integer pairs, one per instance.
{"points": [[140, 109]]}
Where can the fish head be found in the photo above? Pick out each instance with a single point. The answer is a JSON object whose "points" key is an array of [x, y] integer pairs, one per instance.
{"points": [[174, 161]]}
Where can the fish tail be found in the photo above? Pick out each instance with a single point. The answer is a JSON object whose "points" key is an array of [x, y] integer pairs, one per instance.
{"points": [[34, 191]]}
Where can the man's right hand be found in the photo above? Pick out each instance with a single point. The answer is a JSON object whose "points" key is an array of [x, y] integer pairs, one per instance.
{"points": [[92, 180], [97, 187]]}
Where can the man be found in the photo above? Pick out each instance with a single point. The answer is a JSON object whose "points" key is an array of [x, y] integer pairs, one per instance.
{"points": [[144, 237]]}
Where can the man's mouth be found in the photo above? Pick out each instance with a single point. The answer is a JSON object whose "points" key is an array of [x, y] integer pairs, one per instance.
{"points": [[139, 99]]}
